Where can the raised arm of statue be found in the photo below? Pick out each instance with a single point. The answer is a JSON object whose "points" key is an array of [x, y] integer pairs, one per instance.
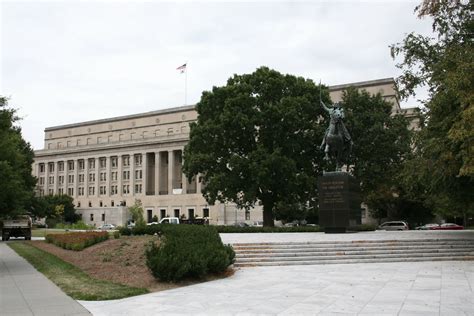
{"points": [[325, 107]]}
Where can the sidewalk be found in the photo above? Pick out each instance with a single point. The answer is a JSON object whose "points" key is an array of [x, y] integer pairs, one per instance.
{"points": [[25, 291]]}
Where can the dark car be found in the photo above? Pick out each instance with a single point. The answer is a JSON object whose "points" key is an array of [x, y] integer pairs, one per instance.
{"points": [[448, 226]]}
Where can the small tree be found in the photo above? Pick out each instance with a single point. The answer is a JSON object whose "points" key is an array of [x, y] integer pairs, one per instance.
{"points": [[136, 211]]}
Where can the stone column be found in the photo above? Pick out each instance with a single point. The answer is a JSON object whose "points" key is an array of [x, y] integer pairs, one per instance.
{"points": [[97, 174], [132, 174], [157, 173], [46, 178], [108, 175], [170, 171], [76, 177], [198, 184], [55, 186], [184, 181], [86, 177], [144, 173], [119, 176]]}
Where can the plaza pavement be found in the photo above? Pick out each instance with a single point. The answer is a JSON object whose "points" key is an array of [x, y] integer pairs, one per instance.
{"points": [[25, 291], [416, 288]]}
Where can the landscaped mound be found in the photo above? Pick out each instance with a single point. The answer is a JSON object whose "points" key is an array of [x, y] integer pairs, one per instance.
{"points": [[76, 241], [188, 251]]}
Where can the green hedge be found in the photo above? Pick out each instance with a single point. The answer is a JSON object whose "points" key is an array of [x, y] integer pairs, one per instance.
{"points": [[187, 251]]}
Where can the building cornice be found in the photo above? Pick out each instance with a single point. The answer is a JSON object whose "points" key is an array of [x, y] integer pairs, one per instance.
{"points": [[123, 118]]}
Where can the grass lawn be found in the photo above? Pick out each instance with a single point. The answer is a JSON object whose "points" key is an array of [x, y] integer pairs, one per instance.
{"points": [[73, 281]]}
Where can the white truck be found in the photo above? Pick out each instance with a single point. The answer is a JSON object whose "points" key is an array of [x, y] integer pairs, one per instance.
{"points": [[17, 227]]}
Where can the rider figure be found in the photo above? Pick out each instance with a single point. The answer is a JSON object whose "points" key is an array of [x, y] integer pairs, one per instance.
{"points": [[336, 113]]}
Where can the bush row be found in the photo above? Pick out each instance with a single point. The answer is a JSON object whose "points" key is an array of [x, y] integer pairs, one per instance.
{"points": [[76, 241], [187, 251]]}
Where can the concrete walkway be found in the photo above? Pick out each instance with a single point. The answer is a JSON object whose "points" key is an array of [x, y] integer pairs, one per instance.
{"points": [[25, 291], [416, 288]]}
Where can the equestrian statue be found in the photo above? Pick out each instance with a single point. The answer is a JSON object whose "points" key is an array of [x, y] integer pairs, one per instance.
{"points": [[337, 143]]}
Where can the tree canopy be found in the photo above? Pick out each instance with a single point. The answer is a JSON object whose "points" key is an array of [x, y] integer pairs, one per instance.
{"points": [[58, 208], [441, 171], [16, 158], [257, 140]]}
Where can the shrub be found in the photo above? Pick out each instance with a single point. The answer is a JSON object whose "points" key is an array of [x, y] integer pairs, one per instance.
{"points": [[116, 234], [76, 241], [187, 251], [125, 231], [78, 225]]}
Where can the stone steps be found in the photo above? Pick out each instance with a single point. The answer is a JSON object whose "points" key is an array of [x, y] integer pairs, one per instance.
{"points": [[271, 254]]}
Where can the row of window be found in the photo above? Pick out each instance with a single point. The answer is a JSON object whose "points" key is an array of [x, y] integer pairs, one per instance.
{"points": [[113, 190], [138, 160], [102, 177]]}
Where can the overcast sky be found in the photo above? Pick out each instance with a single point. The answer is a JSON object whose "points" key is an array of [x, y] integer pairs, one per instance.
{"points": [[77, 61]]}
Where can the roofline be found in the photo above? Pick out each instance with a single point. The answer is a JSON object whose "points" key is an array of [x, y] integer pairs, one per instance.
{"points": [[362, 84], [122, 118]]}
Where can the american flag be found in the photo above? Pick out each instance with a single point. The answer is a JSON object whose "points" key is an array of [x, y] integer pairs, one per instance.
{"points": [[182, 68]]}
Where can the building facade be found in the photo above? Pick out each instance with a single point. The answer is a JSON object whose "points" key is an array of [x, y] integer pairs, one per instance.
{"points": [[105, 165]]}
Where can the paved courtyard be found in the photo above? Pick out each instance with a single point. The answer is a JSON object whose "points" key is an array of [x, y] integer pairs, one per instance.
{"points": [[419, 288]]}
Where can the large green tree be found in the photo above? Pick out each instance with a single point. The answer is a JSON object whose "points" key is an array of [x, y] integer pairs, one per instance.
{"points": [[256, 140], [442, 169], [16, 158], [59, 208]]}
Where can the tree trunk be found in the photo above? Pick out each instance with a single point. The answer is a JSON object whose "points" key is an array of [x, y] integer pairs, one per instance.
{"points": [[268, 213]]}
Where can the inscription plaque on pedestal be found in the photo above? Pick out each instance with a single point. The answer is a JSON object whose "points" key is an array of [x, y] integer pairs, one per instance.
{"points": [[339, 202]]}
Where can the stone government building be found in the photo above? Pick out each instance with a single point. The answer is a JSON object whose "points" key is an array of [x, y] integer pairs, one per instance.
{"points": [[105, 165]]}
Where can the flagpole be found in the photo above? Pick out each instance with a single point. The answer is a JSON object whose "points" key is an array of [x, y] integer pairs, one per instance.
{"points": [[186, 84]]}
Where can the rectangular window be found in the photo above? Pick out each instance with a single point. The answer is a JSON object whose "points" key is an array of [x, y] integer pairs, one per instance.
{"points": [[41, 180], [80, 191], [138, 188], [103, 217], [50, 191], [81, 164], [114, 162], [60, 191], [81, 178], [70, 165], [91, 177], [91, 163], [61, 166], [51, 167], [103, 162], [113, 176], [51, 180], [92, 217], [91, 190], [126, 161], [102, 190], [126, 175], [138, 159], [61, 180], [70, 191], [113, 190], [41, 167], [126, 189], [176, 212], [71, 178], [138, 174], [103, 176], [247, 215], [205, 212]]}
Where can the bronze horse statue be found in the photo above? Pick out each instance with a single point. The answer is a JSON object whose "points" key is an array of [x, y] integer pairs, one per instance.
{"points": [[337, 142]]}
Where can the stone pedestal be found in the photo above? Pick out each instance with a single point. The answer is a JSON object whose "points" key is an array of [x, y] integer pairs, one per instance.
{"points": [[339, 202]]}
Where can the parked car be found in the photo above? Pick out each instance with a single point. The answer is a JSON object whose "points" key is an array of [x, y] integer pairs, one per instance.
{"points": [[169, 220], [394, 225], [449, 226], [428, 226], [107, 227], [152, 223], [257, 224]]}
